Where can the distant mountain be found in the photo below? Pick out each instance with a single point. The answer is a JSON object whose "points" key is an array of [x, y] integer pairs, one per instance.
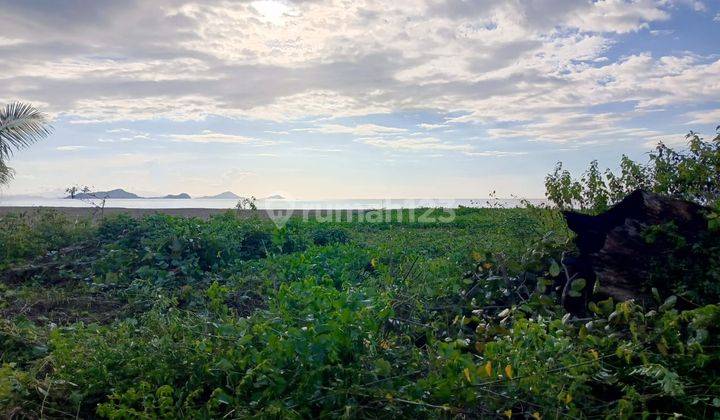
{"points": [[275, 197], [227, 195], [183, 196], [116, 193]]}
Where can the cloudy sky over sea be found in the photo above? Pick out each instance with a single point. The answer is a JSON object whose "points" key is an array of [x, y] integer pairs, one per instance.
{"points": [[329, 99]]}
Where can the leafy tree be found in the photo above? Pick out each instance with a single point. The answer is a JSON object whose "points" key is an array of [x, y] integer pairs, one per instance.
{"points": [[692, 174], [20, 126], [245, 203]]}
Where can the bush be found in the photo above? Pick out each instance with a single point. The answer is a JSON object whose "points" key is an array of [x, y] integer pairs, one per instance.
{"points": [[30, 234], [327, 235], [692, 174]]}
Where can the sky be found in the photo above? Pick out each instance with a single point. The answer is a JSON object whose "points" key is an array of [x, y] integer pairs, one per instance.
{"points": [[321, 99]]}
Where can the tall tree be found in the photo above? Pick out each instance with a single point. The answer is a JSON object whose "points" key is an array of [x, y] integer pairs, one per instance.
{"points": [[20, 126]]}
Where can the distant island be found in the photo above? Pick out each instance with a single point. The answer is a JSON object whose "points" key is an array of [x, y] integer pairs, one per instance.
{"points": [[182, 196], [116, 193], [119, 193], [227, 195], [275, 197]]}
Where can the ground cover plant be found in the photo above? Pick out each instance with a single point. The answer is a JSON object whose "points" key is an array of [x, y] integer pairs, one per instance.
{"points": [[232, 317]]}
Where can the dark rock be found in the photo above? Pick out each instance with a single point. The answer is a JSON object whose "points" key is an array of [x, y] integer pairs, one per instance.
{"points": [[614, 250]]}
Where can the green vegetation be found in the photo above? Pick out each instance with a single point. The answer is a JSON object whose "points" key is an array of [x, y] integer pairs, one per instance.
{"points": [[692, 174], [232, 317]]}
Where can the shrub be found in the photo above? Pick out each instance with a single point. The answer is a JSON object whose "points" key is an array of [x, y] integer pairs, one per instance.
{"points": [[327, 235], [30, 234], [692, 174]]}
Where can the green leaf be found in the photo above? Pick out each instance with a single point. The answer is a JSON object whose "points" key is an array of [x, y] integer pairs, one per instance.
{"points": [[382, 367], [669, 303], [578, 284], [656, 294], [554, 269]]}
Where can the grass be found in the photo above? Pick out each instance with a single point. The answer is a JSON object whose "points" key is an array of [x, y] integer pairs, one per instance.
{"points": [[227, 317]]}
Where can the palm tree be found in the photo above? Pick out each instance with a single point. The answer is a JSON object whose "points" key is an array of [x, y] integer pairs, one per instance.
{"points": [[20, 126]]}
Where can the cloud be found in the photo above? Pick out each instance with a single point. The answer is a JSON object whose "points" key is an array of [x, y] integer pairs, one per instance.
{"points": [[602, 128], [208, 136], [677, 140], [494, 153], [123, 135], [662, 32], [710, 116], [603, 15], [70, 148], [425, 126], [414, 144], [528, 63], [359, 130], [235, 174], [696, 5], [320, 150], [432, 144]]}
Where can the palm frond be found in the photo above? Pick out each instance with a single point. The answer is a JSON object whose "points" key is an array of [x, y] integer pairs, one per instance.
{"points": [[6, 173], [20, 126]]}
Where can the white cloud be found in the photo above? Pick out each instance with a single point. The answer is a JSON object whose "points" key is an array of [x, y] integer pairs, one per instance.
{"points": [[359, 130], [710, 116], [529, 63], [696, 5], [676, 140], [416, 144], [123, 135], [10, 41], [70, 148], [320, 150], [662, 32], [494, 153], [617, 16], [208, 136], [577, 127], [425, 126], [235, 174]]}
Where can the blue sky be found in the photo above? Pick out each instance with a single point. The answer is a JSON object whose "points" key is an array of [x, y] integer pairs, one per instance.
{"points": [[352, 99]]}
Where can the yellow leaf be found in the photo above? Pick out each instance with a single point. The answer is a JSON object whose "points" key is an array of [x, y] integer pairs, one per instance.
{"points": [[466, 372], [488, 368], [487, 265], [389, 396], [508, 413], [509, 371], [476, 256], [373, 263], [595, 354], [568, 398], [583, 333], [536, 416], [479, 346]]}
